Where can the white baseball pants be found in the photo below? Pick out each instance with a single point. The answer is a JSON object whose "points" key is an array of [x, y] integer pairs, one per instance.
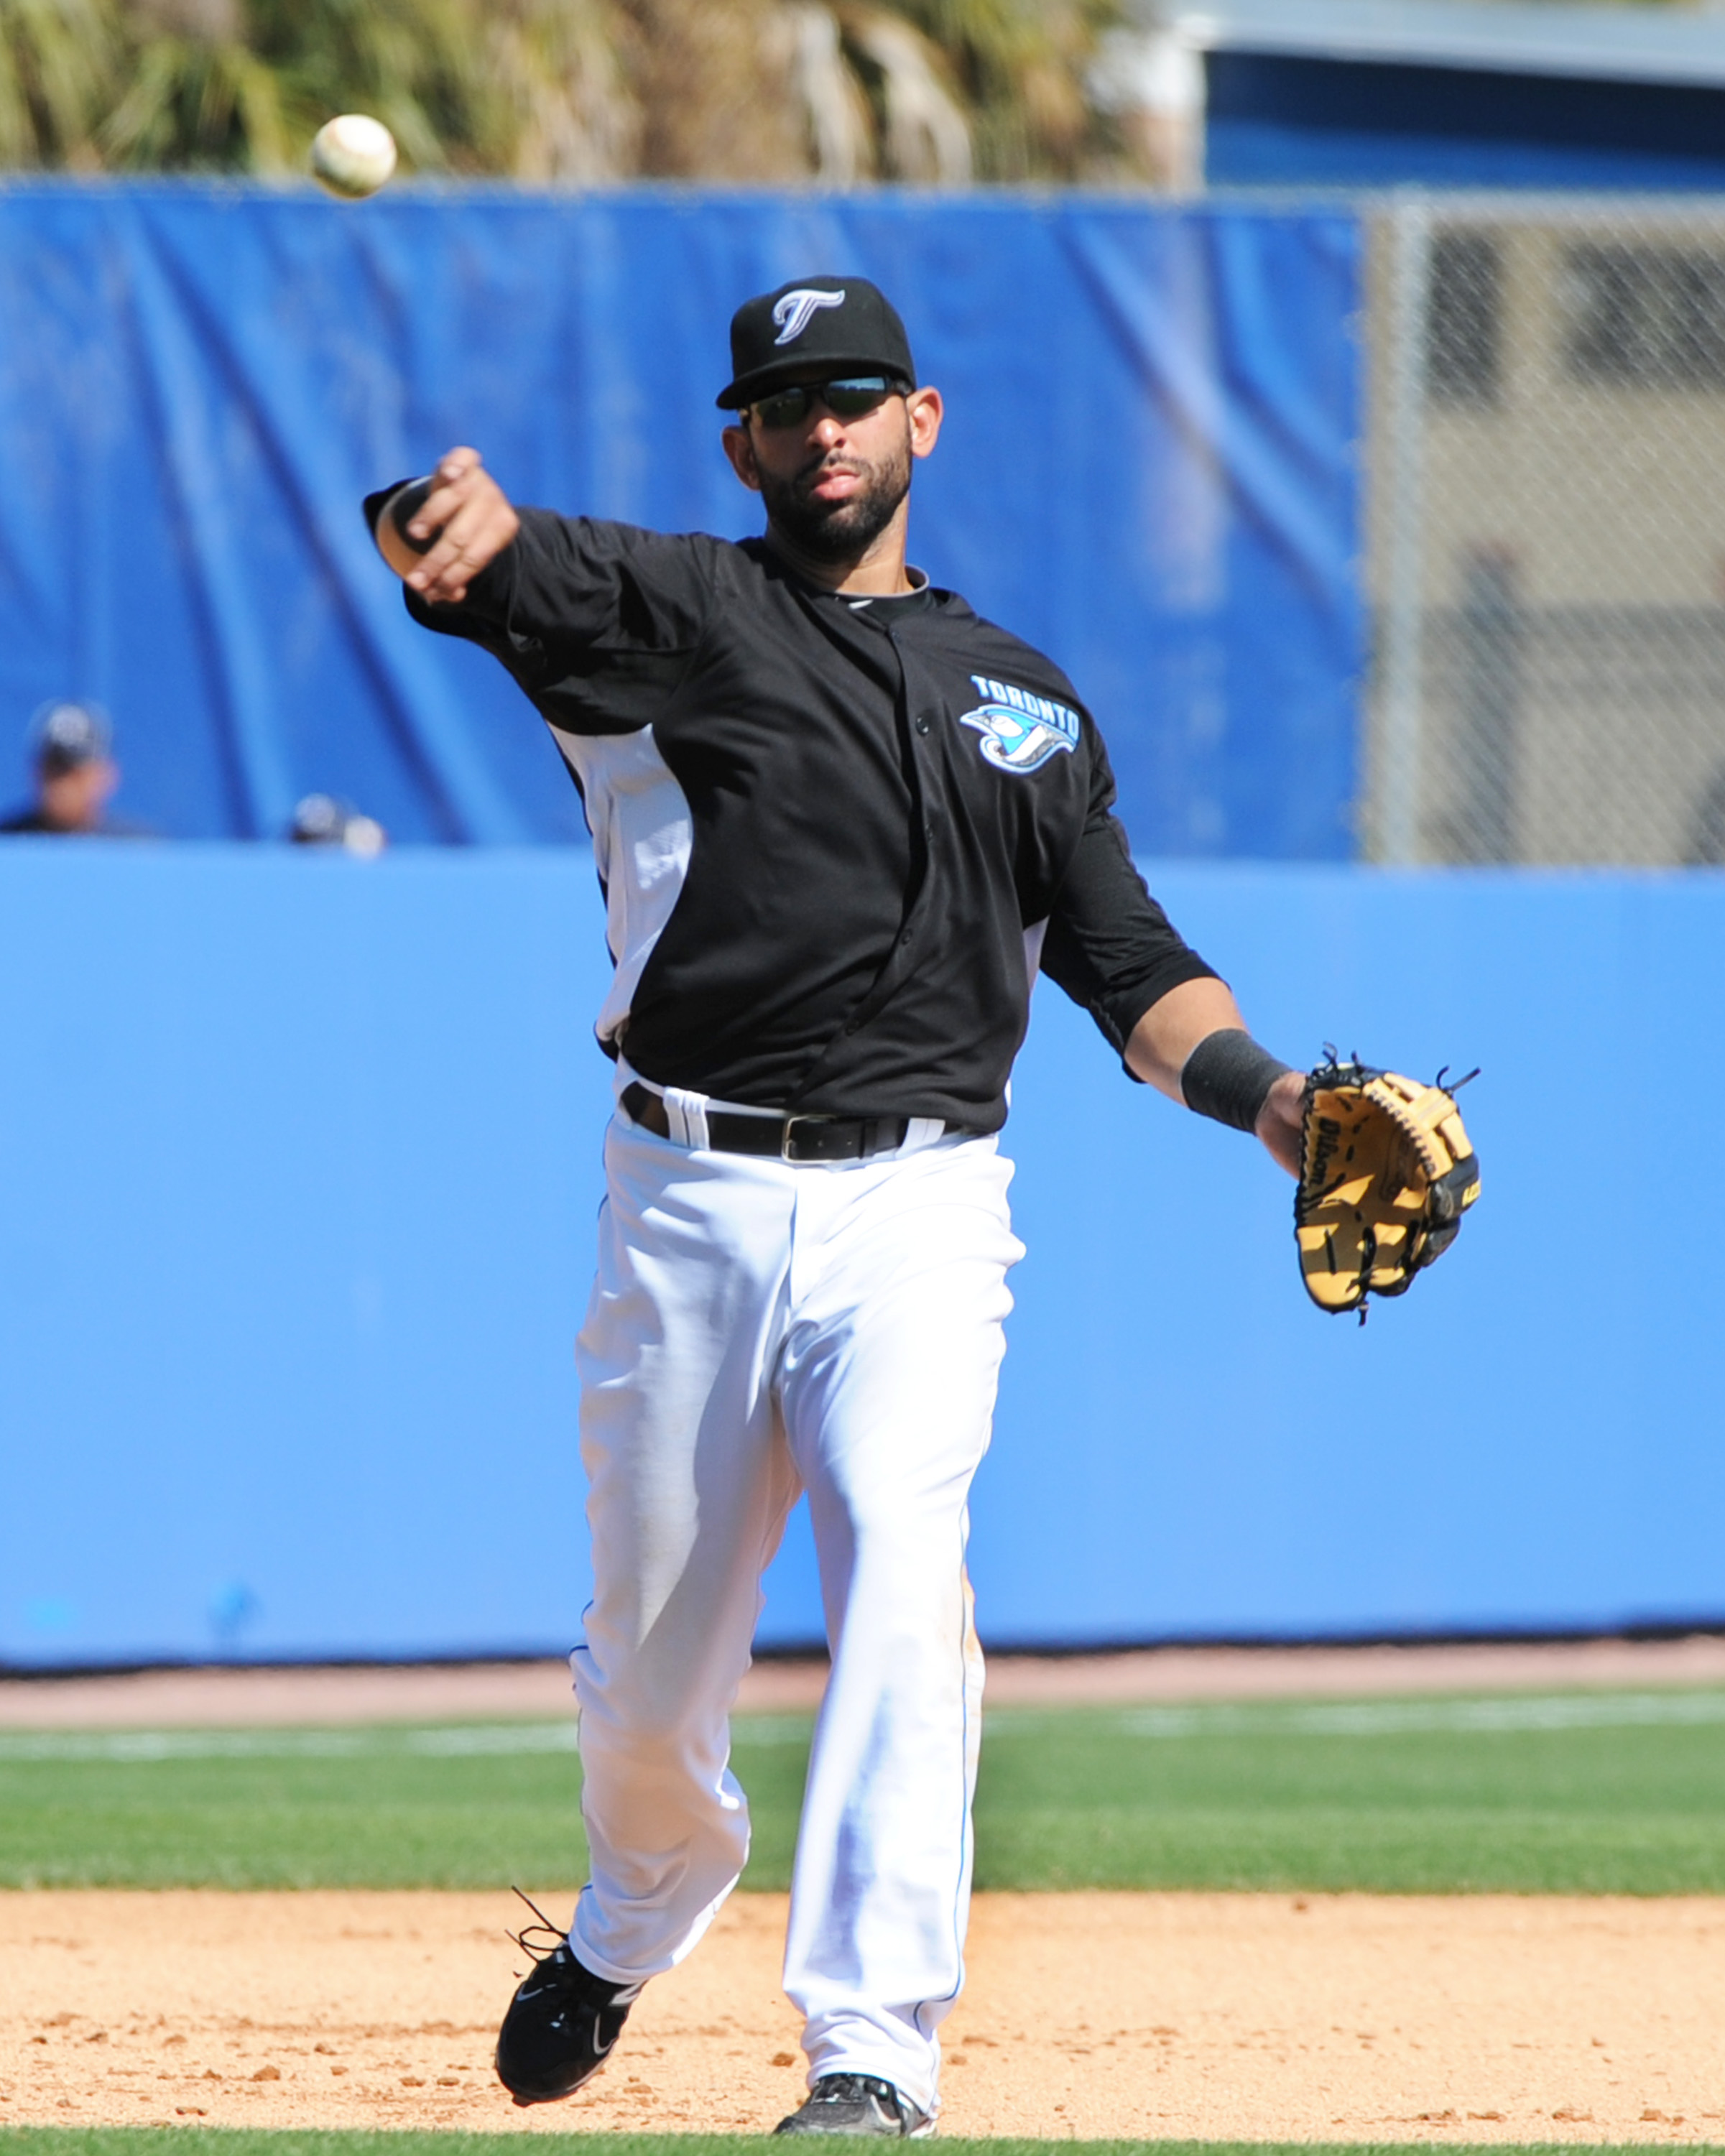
{"points": [[757, 1329]]}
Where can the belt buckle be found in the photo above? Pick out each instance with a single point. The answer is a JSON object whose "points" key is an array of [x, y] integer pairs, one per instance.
{"points": [[787, 1139]]}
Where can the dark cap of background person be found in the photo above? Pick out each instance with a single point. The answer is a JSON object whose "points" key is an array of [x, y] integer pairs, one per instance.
{"points": [[322, 820], [835, 325], [68, 735]]}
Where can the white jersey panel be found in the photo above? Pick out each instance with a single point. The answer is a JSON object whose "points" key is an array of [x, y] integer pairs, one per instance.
{"points": [[642, 831]]}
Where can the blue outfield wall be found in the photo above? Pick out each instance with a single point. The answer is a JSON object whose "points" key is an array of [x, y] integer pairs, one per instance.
{"points": [[300, 1163], [1148, 469]]}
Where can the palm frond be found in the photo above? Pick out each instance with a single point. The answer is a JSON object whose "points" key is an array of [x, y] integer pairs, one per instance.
{"points": [[566, 92], [259, 110], [197, 104], [717, 84], [204, 22], [414, 64], [559, 107], [1023, 69], [924, 133], [17, 125], [60, 66], [835, 107]]}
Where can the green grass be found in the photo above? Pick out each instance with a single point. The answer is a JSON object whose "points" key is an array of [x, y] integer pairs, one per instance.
{"points": [[327, 1807], [1587, 1793], [1418, 1797]]}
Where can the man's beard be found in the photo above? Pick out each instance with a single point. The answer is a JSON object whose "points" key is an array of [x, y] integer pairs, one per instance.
{"points": [[839, 530]]}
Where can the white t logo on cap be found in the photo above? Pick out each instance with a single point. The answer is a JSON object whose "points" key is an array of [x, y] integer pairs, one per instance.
{"points": [[792, 311]]}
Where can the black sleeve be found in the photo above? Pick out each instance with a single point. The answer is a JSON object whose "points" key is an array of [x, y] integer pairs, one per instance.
{"points": [[1109, 944], [598, 622]]}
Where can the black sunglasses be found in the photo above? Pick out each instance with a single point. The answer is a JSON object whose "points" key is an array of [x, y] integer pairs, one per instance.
{"points": [[848, 399]]}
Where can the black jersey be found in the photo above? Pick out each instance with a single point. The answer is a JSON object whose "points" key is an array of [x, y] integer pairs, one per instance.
{"points": [[836, 836]]}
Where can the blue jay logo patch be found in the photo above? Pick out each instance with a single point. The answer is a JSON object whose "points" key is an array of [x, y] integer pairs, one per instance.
{"points": [[792, 313], [1020, 730]]}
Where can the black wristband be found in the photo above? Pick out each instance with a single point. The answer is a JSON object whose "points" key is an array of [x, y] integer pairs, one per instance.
{"points": [[1227, 1078]]}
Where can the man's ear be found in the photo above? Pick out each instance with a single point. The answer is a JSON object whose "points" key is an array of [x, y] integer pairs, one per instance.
{"points": [[924, 408], [741, 450]]}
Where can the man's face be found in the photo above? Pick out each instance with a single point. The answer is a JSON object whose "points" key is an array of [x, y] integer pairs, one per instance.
{"points": [[74, 800], [832, 486]]}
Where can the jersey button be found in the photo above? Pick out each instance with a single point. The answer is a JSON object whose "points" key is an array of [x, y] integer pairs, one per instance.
{"points": [[921, 723]]}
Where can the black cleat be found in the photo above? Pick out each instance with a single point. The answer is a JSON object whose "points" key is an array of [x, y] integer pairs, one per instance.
{"points": [[561, 2023], [857, 2104]]}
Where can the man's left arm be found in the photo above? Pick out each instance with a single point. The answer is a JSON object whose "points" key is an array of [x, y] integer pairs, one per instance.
{"points": [[1163, 1048], [1112, 949]]}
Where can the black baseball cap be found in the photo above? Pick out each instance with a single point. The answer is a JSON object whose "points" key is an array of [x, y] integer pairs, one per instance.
{"points": [[838, 324], [68, 735]]}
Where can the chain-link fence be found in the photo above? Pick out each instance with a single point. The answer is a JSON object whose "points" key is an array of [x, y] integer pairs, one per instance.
{"points": [[1546, 532]]}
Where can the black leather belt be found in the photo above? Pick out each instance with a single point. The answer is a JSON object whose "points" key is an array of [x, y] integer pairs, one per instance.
{"points": [[796, 1138]]}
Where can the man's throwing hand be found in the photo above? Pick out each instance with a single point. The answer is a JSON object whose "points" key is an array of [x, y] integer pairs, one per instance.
{"points": [[464, 521]]}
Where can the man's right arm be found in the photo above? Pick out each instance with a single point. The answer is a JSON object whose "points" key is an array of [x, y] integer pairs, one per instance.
{"points": [[469, 521], [596, 621]]}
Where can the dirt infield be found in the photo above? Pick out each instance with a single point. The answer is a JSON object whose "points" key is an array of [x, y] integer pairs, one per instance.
{"points": [[1185, 2015]]}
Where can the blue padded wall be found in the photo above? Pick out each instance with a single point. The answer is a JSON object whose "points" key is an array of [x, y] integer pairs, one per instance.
{"points": [[1148, 469], [300, 1159]]}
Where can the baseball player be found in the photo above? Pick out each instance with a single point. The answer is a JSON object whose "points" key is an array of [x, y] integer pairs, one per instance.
{"points": [[76, 776], [840, 822]]}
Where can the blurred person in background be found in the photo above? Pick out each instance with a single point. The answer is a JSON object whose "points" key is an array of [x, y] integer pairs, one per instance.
{"points": [[322, 820], [76, 778]]}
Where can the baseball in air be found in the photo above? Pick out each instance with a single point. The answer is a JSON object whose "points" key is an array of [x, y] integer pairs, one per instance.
{"points": [[352, 155]]}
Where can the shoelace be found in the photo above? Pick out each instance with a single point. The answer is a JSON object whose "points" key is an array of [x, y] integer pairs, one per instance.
{"points": [[574, 1976], [524, 1938]]}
